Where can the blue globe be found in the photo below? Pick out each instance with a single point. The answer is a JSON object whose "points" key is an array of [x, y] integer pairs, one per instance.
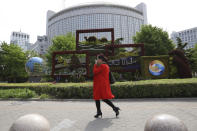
{"points": [[156, 68], [35, 66]]}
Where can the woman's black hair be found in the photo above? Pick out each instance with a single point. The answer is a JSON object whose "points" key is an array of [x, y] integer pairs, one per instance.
{"points": [[102, 57]]}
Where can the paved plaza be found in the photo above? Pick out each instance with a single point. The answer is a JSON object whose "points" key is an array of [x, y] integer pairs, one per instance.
{"points": [[77, 115]]}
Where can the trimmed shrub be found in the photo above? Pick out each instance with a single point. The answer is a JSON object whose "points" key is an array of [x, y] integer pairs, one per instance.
{"points": [[17, 93], [163, 88], [44, 96]]}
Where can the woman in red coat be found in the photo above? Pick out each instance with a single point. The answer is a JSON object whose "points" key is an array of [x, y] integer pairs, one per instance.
{"points": [[101, 85]]}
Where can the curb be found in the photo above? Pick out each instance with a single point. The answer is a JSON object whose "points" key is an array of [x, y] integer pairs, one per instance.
{"points": [[120, 100]]}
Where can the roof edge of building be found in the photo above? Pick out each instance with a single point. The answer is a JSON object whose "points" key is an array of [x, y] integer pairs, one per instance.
{"points": [[94, 5]]}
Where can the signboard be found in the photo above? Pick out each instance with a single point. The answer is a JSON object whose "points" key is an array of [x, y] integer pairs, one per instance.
{"points": [[122, 57], [92, 44], [67, 63], [155, 67], [127, 60]]}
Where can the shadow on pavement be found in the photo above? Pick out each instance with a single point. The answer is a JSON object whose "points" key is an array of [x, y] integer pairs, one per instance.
{"points": [[99, 124]]}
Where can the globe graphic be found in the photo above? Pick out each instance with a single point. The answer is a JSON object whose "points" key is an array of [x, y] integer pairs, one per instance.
{"points": [[35, 66], [156, 68]]}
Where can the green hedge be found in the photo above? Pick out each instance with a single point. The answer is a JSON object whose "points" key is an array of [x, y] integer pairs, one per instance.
{"points": [[17, 93], [163, 88]]}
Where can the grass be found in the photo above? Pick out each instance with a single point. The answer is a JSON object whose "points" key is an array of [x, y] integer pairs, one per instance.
{"points": [[22, 85], [89, 84]]}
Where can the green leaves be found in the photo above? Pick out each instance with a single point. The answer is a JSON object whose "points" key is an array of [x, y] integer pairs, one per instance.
{"points": [[162, 88], [17, 93], [60, 43], [156, 41], [194, 58], [13, 61], [30, 54], [180, 44]]}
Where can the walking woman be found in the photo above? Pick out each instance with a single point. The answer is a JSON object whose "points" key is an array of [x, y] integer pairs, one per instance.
{"points": [[101, 85]]}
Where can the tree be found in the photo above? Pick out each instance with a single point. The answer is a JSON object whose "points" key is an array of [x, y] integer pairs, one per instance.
{"points": [[180, 44], [194, 58], [155, 40], [13, 61], [30, 54], [60, 43], [181, 63], [118, 40]]}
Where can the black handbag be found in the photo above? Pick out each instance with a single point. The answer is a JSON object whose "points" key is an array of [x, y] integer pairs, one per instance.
{"points": [[112, 79]]}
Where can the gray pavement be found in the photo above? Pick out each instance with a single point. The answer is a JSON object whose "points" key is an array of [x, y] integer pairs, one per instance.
{"points": [[77, 115]]}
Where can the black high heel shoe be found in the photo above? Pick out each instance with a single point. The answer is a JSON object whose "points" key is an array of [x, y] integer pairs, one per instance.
{"points": [[116, 110], [98, 114]]}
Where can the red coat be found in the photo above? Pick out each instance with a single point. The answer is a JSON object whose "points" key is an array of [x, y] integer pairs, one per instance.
{"points": [[101, 84]]}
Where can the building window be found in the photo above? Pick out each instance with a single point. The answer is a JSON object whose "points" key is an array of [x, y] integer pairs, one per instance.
{"points": [[192, 38]]}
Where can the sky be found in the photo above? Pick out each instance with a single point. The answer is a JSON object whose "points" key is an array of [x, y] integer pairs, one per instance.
{"points": [[29, 16]]}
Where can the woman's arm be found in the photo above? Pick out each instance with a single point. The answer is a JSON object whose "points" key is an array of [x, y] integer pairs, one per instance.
{"points": [[97, 69]]}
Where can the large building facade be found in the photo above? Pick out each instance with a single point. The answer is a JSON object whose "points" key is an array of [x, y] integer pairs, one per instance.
{"points": [[41, 45], [21, 39], [125, 20], [187, 36]]}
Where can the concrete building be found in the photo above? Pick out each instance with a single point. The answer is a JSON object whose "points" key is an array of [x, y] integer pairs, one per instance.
{"points": [[21, 39], [187, 36], [125, 20], [41, 45]]}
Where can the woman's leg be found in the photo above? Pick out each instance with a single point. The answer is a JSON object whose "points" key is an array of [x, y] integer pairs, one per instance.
{"points": [[109, 103], [98, 107], [116, 109]]}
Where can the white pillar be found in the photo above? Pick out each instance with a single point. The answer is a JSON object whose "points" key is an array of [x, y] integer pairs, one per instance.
{"points": [[164, 122], [31, 122]]}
